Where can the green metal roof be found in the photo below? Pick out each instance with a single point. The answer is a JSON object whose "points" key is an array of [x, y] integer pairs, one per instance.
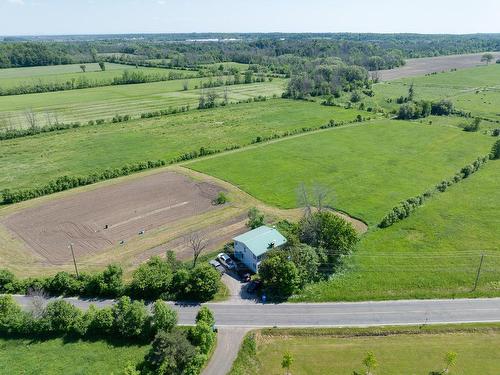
{"points": [[259, 239]]}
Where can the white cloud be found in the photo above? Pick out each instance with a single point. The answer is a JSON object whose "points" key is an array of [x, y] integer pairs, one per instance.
{"points": [[161, 2], [17, 2]]}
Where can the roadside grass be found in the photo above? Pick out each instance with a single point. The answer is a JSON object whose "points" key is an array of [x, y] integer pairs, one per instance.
{"points": [[369, 168], [475, 90], [55, 356], [30, 161], [14, 77], [435, 253], [105, 102], [399, 350]]}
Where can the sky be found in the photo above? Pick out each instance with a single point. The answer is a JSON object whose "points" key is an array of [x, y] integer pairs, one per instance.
{"points": [[63, 17]]}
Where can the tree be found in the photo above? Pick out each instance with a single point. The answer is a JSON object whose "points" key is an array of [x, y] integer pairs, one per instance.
{"points": [[370, 363], [205, 315], [473, 126], [487, 58], [450, 360], [170, 353], [197, 242], [329, 231], [306, 260], [255, 218], [60, 316], [203, 283], [279, 274], [248, 76], [129, 317], [83, 67], [287, 362], [164, 317], [102, 65], [11, 315], [31, 118], [495, 150], [411, 93], [151, 279]]}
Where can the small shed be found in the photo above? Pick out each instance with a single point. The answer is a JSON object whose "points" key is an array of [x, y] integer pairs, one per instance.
{"points": [[251, 247]]}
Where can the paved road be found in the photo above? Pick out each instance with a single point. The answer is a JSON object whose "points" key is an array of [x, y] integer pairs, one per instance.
{"points": [[234, 319], [229, 314]]}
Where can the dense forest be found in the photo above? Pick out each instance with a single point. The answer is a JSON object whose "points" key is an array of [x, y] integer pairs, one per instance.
{"points": [[278, 52]]}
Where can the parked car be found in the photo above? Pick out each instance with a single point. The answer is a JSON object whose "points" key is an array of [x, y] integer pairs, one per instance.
{"points": [[254, 286], [226, 261], [219, 267]]}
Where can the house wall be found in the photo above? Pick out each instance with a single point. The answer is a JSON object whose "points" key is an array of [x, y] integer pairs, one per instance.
{"points": [[243, 254]]}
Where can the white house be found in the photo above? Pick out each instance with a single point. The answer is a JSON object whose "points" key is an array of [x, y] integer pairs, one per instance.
{"points": [[251, 247]]}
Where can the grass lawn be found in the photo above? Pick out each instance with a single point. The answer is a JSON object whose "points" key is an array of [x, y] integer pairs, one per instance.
{"points": [[475, 90], [20, 356], [404, 351], [30, 161], [369, 168], [105, 102], [433, 253]]}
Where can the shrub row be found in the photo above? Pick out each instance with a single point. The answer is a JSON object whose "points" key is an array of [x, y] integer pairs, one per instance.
{"points": [[69, 182], [127, 77], [151, 280], [173, 351], [406, 207], [34, 130], [330, 124], [126, 319], [164, 112]]}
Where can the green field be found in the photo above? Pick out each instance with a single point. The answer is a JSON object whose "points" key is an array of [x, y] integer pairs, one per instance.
{"points": [[406, 351], [369, 168], [14, 77], [30, 161], [475, 90], [105, 102], [434, 253], [56, 356]]}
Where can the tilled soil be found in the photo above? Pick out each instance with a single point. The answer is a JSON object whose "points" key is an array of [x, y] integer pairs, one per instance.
{"points": [[422, 66], [101, 218]]}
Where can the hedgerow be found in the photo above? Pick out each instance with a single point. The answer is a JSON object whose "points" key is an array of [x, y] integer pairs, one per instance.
{"points": [[154, 279], [406, 207]]}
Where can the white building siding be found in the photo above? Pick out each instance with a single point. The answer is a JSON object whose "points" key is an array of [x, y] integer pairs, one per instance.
{"points": [[242, 253]]}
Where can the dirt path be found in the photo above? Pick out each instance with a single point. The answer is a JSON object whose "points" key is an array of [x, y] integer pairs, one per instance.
{"points": [[426, 65]]}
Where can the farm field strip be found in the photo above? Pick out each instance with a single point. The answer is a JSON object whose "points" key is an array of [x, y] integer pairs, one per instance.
{"points": [[87, 149], [106, 102], [365, 187], [396, 353]]}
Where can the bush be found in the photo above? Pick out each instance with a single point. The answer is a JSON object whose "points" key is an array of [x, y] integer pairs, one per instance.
{"points": [[171, 353], [495, 150], [473, 126], [11, 316], [279, 275], [164, 317], [221, 198], [442, 108], [326, 230], [129, 317], [63, 284], [59, 317], [151, 279], [255, 218], [203, 283]]}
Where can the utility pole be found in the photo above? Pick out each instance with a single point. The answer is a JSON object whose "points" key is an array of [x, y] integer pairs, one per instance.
{"points": [[478, 272], [74, 260]]}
